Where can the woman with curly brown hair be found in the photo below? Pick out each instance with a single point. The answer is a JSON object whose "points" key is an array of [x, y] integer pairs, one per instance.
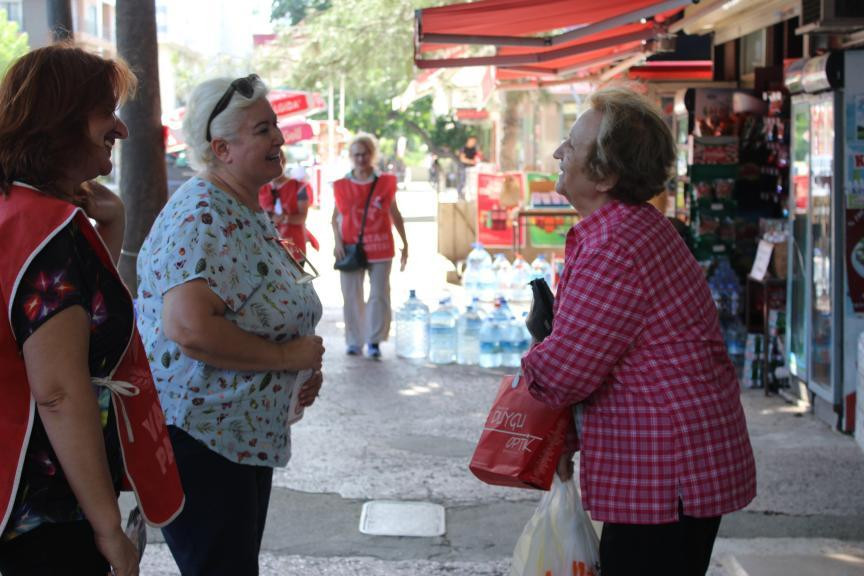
{"points": [[79, 413]]}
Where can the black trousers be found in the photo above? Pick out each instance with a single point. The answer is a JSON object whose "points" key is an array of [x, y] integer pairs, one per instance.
{"points": [[682, 548], [53, 550], [220, 529]]}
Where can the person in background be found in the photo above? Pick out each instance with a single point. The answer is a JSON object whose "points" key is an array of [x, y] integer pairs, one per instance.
{"points": [[367, 321], [469, 156], [636, 345], [286, 200], [228, 318], [71, 363]]}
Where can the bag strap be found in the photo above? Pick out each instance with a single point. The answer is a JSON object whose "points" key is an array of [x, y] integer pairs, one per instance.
{"points": [[366, 209]]}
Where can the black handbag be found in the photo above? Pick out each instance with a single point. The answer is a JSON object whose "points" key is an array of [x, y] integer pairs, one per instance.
{"points": [[539, 320], [355, 255]]}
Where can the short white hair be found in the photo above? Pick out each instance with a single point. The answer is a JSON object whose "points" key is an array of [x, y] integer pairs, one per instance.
{"points": [[201, 104]]}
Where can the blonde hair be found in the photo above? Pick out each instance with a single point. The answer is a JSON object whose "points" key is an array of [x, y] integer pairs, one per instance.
{"points": [[369, 142], [201, 103], [633, 143]]}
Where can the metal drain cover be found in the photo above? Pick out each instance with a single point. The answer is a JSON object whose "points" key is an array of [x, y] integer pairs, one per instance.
{"points": [[395, 518]]}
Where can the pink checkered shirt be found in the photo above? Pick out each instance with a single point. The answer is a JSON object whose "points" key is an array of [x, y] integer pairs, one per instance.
{"points": [[637, 342]]}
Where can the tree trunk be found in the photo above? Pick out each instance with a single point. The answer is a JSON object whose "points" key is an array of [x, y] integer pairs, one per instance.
{"points": [[143, 177], [510, 130], [60, 19]]}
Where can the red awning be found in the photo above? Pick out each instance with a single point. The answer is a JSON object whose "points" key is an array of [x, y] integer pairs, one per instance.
{"points": [[289, 103], [581, 35], [294, 132]]}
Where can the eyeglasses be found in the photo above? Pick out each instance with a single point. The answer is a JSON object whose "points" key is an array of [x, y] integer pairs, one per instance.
{"points": [[299, 261], [243, 86]]}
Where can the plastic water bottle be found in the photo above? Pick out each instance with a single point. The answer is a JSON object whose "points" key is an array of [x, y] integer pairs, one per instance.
{"points": [[503, 276], [521, 275], [442, 334], [488, 283], [468, 336], [491, 335], [516, 342], [478, 259], [542, 269], [412, 328]]}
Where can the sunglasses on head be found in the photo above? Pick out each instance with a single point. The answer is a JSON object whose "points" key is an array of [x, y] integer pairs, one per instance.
{"points": [[243, 86]]}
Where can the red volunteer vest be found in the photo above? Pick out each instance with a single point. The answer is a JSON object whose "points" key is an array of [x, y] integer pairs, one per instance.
{"points": [[28, 220], [377, 235]]}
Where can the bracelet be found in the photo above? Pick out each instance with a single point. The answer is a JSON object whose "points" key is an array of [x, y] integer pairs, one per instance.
{"points": [[129, 253]]}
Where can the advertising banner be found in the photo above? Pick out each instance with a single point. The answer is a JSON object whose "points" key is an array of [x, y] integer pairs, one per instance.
{"points": [[498, 196], [546, 231], [855, 257]]}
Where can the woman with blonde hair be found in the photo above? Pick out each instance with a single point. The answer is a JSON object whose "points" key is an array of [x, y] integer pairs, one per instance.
{"points": [[366, 204]]}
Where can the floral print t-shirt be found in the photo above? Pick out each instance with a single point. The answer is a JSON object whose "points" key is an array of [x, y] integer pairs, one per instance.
{"points": [[202, 232], [67, 272]]}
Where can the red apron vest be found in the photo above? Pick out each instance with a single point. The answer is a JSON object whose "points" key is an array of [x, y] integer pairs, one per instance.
{"points": [[28, 221], [377, 235]]}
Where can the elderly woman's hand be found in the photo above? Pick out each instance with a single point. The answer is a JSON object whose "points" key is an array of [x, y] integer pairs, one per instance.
{"points": [[339, 250], [119, 551], [304, 353], [100, 203], [311, 388]]}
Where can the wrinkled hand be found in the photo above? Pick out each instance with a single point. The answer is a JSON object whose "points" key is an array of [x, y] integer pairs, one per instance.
{"points": [[306, 353], [311, 388], [404, 259], [119, 551], [99, 203], [339, 250], [565, 466]]}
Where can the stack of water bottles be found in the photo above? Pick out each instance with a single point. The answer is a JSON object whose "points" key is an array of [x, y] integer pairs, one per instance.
{"points": [[488, 279], [445, 336]]}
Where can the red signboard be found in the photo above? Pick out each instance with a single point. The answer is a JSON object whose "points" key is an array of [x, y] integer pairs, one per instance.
{"points": [[294, 132], [498, 196]]}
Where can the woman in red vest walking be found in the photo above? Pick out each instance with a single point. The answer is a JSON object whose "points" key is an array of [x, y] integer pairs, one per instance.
{"points": [[79, 410], [367, 320], [286, 200]]}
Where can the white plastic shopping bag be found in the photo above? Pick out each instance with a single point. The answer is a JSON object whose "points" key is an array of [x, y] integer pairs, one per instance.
{"points": [[559, 540]]}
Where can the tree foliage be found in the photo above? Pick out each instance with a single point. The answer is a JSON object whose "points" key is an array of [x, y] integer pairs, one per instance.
{"points": [[13, 42], [296, 10], [369, 43]]}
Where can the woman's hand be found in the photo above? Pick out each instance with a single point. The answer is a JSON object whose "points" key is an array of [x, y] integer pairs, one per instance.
{"points": [[339, 249], [311, 388], [119, 551], [565, 465], [304, 353], [404, 260], [100, 203]]}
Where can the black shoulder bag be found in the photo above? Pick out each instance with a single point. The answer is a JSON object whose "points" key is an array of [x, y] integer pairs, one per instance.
{"points": [[355, 255]]}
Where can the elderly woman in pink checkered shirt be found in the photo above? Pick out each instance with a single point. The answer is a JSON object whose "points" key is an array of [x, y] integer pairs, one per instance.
{"points": [[637, 345]]}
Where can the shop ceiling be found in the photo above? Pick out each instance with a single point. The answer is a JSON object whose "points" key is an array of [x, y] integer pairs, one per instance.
{"points": [[556, 41]]}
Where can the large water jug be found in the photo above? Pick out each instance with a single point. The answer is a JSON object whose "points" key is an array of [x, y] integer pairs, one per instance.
{"points": [[478, 260], [491, 334], [521, 275], [412, 328], [503, 276], [542, 269], [515, 342], [468, 336], [442, 334]]}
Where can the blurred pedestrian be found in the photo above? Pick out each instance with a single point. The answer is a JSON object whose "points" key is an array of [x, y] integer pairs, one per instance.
{"points": [[367, 321], [469, 157], [75, 380], [229, 321], [636, 345], [286, 200]]}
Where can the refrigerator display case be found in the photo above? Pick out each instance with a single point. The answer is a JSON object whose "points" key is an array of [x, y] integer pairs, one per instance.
{"points": [[824, 320]]}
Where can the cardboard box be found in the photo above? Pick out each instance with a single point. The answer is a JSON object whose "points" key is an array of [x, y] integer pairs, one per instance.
{"points": [[456, 229]]}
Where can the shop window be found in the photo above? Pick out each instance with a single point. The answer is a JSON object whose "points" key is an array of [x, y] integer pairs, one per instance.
{"points": [[108, 22], [91, 22], [752, 52]]}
